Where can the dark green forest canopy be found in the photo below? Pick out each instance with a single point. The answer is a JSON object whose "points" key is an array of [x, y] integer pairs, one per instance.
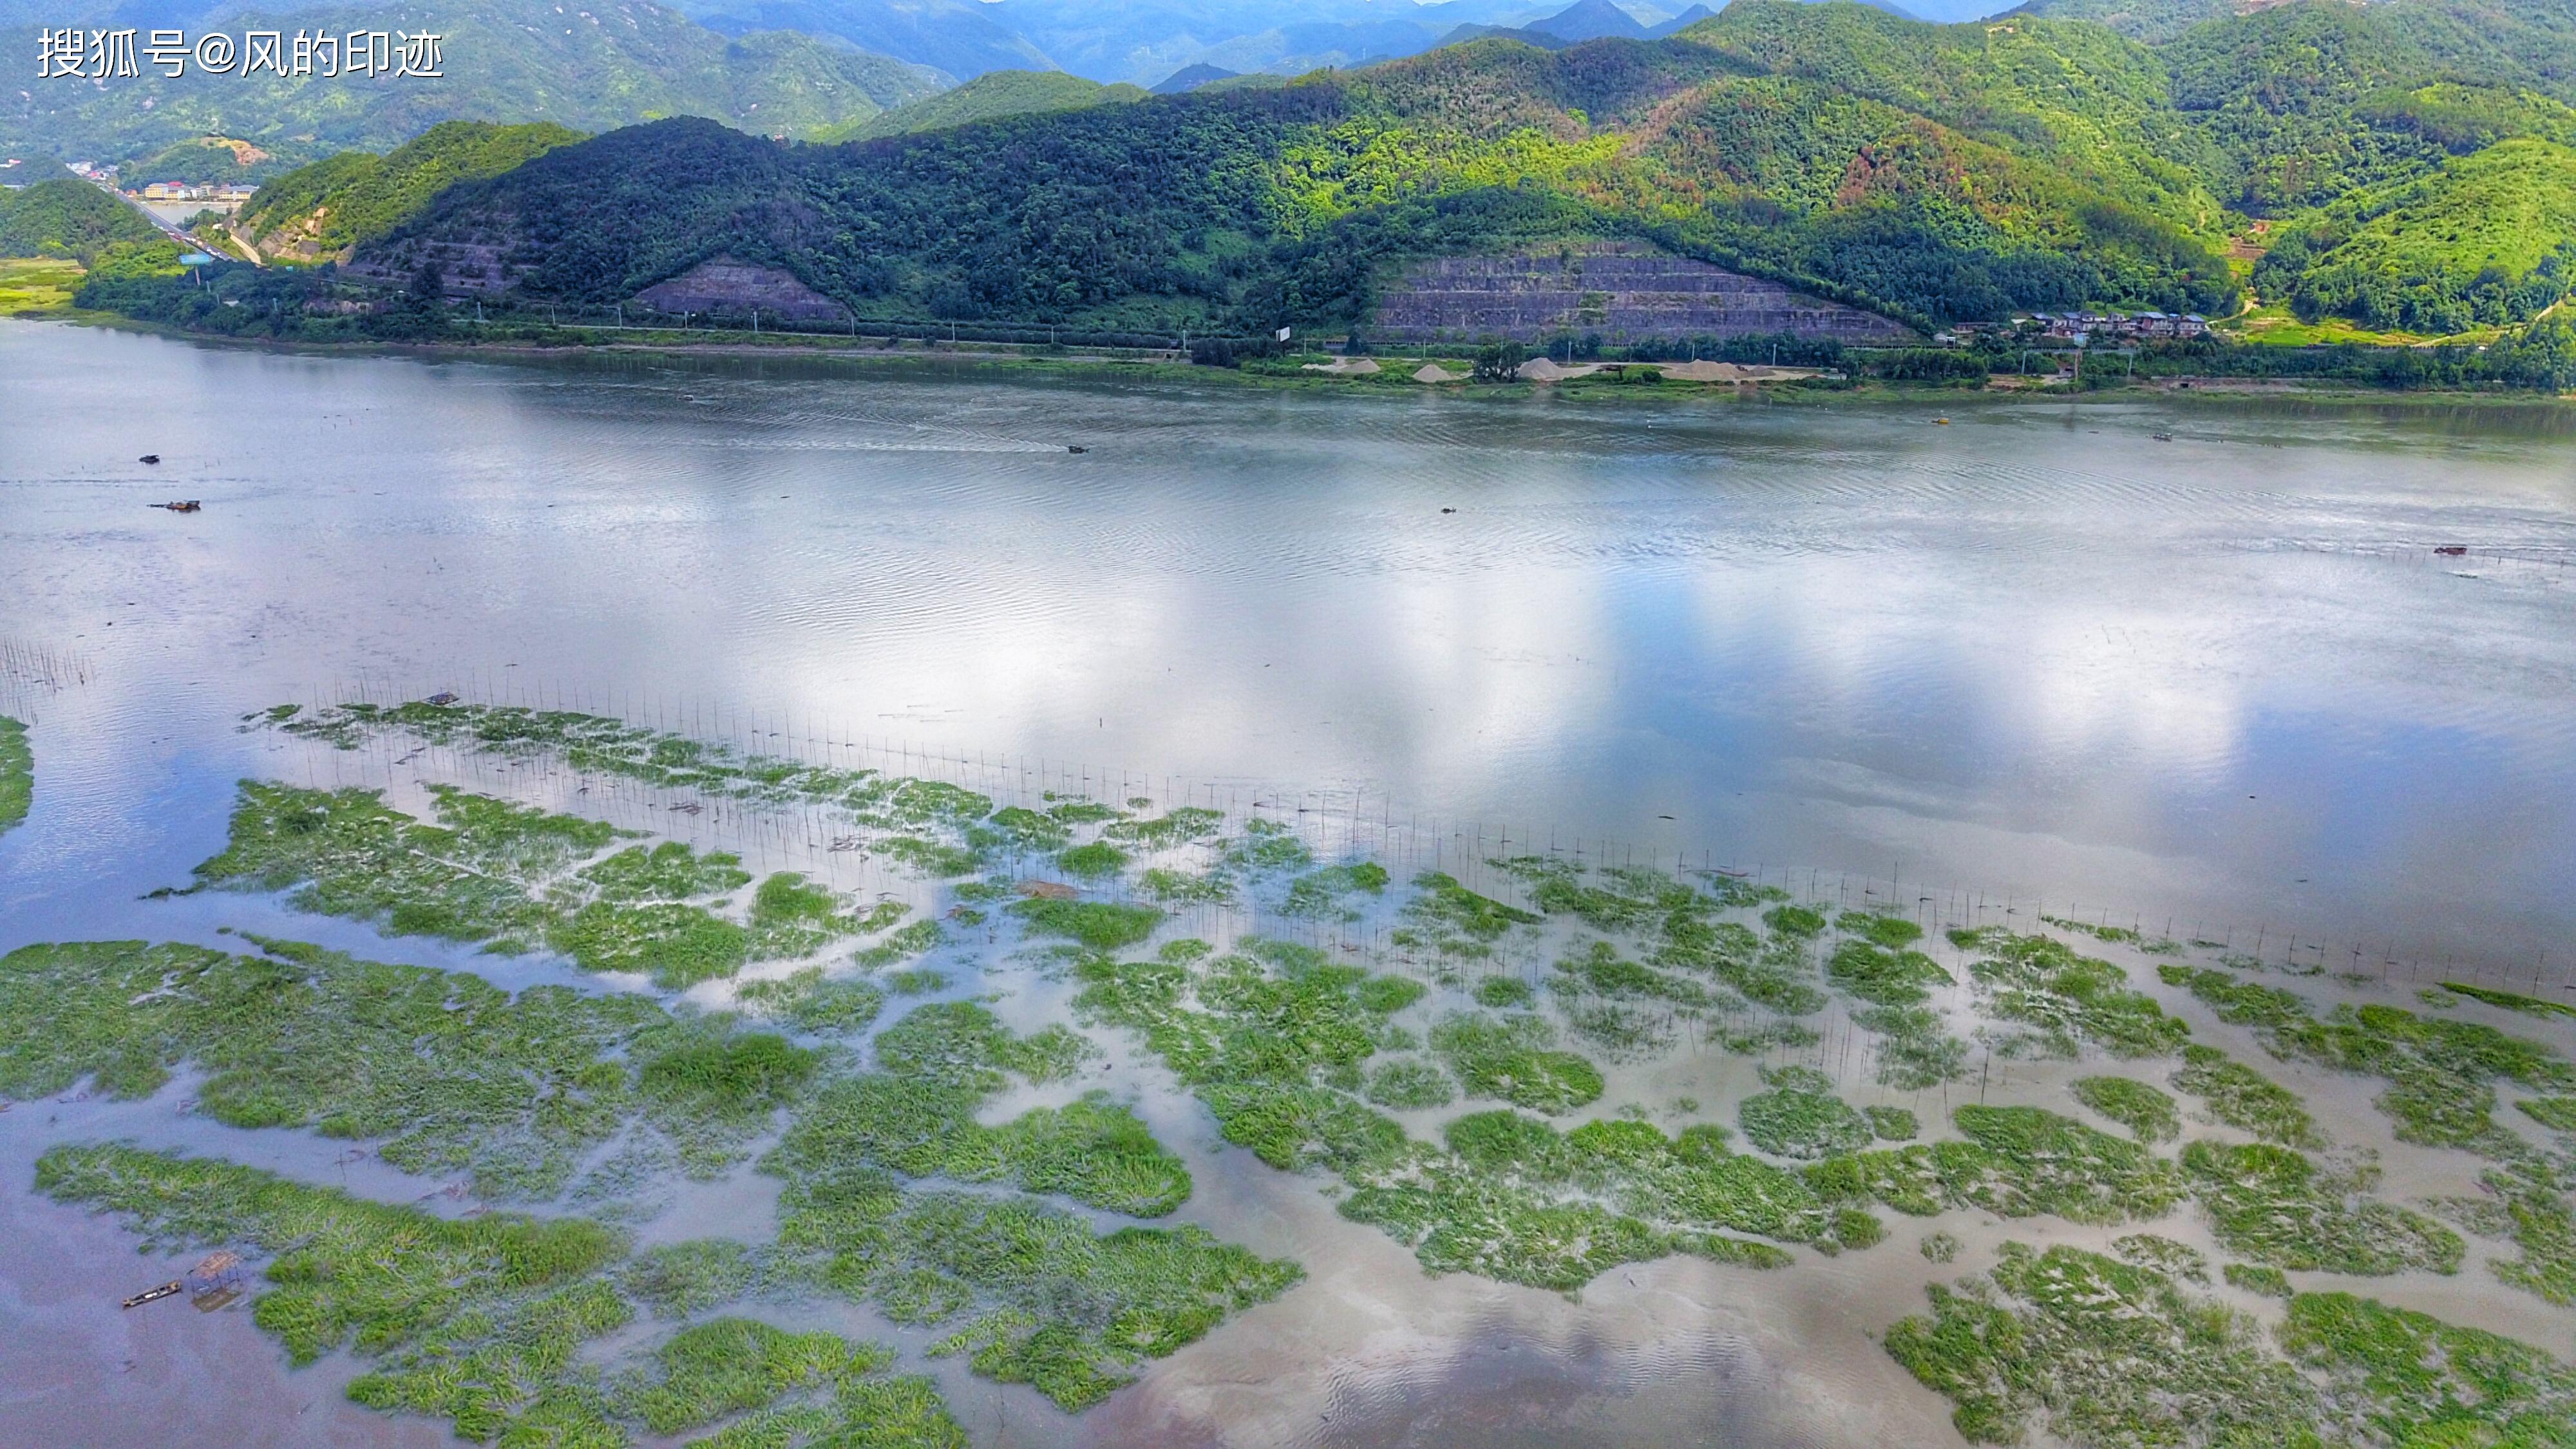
{"points": [[1933, 173]]}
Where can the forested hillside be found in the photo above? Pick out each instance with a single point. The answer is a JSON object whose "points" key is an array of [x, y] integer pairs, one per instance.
{"points": [[323, 209], [2404, 162], [66, 218], [589, 68]]}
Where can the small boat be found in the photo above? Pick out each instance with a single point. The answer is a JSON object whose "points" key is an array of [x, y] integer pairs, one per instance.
{"points": [[1940, 422], [149, 458], [2164, 437], [2452, 550], [166, 1290], [182, 505], [442, 699], [1077, 448]]}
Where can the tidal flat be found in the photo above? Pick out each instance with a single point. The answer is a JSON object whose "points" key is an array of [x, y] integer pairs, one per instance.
{"points": [[594, 883], [2105, 1159]]}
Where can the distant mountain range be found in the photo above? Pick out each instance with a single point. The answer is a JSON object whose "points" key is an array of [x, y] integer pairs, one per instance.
{"points": [[596, 67]]}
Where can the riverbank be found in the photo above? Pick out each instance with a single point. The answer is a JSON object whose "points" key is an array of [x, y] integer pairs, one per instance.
{"points": [[1416, 373]]}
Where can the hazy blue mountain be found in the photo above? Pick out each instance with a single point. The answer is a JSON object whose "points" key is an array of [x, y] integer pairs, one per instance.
{"points": [[1190, 77], [963, 38], [1589, 20]]}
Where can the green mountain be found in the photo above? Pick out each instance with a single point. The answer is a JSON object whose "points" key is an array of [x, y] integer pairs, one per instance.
{"points": [[987, 97], [590, 69], [321, 210], [1824, 145], [67, 218], [2404, 159], [2487, 240]]}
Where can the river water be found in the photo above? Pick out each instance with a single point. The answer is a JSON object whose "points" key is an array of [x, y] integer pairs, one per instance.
{"points": [[2187, 662]]}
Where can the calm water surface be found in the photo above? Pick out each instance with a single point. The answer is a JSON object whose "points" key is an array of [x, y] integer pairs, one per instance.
{"points": [[2193, 662]]}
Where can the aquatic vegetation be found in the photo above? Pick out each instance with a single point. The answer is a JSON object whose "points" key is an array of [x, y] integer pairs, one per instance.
{"points": [[1884, 976], [1024, 831], [683, 1280], [1938, 1247], [1100, 925], [1265, 847], [916, 981], [2509, 1000], [931, 859], [1599, 970], [1800, 1117], [451, 1073], [1318, 894], [2558, 1114], [503, 1302], [2402, 1377], [2118, 935], [2101, 1353], [1512, 1058], [1893, 933], [1168, 887], [2148, 1113], [1777, 975], [1452, 920], [490, 1322], [1044, 1300], [911, 941], [1175, 827], [1891, 1124], [1385, 995], [962, 1044], [17, 773], [809, 1001], [1914, 1053], [2245, 1099], [513, 878], [2021, 1161], [1096, 861], [1410, 1085], [2041, 981], [2258, 1279], [2174, 1260], [1798, 922], [2439, 1070], [2273, 1205], [2535, 1217]]}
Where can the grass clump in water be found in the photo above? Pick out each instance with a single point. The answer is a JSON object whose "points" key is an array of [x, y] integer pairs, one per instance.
{"points": [[1318, 895], [2525, 1208], [2259, 1279], [2558, 1114], [449, 1072], [2148, 1114], [1891, 1124], [1446, 917], [809, 1001], [2403, 1377], [1100, 925], [2043, 982], [2272, 1205], [478, 1321], [1504, 992], [1914, 1053], [2027, 1160], [2510, 1000], [1410, 1085], [1800, 1117], [1168, 887], [1884, 976], [2439, 1071], [2245, 1099], [1512, 1058], [1097, 861], [2100, 1353], [1176, 827], [17, 773], [683, 1280]]}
